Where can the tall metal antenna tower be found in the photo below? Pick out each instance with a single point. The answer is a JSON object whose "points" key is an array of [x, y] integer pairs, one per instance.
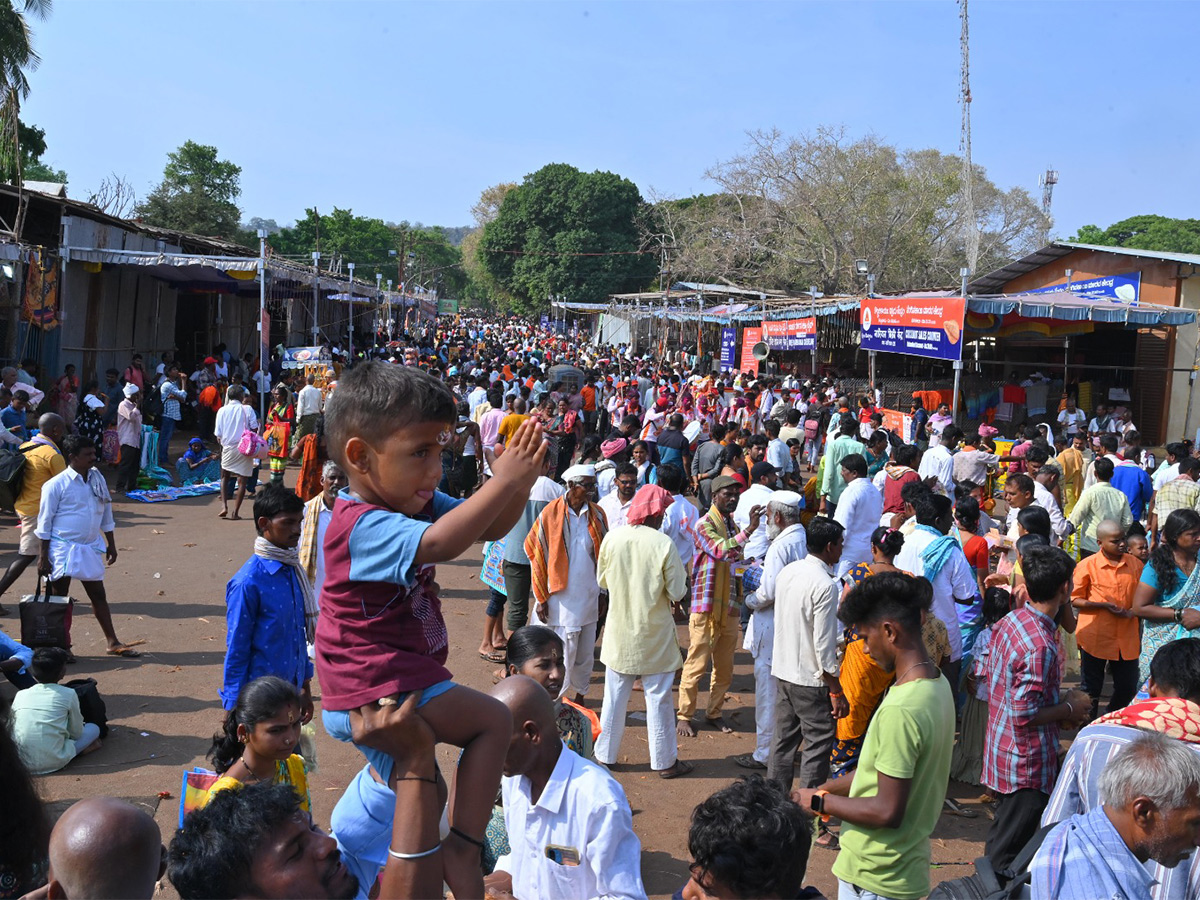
{"points": [[970, 226], [1047, 182]]}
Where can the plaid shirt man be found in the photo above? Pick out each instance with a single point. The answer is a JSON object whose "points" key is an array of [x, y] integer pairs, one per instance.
{"points": [[1023, 676], [1178, 493], [171, 395], [715, 552]]}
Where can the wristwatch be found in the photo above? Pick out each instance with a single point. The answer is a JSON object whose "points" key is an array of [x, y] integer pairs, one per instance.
{"points": [[1179, 617], [818, 803]]}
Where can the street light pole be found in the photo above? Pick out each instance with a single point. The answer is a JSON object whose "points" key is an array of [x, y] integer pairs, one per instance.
{"points": [[316, 258], [264, 339], [350, 316]]}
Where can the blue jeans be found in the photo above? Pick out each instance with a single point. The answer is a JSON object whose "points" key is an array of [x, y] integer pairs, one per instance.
{"points": [[91, 734], [19, 680], [337, 724], [166, 428]]}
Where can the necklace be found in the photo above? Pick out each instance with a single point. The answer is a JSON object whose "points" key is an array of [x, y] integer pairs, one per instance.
{"points": [[926, 662], [246, 766]]}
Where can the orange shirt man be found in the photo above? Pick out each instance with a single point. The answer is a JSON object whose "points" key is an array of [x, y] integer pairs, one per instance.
{"points": [[1108, 632]]}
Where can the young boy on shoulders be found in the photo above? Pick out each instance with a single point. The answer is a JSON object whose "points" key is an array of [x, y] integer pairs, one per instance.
{"points": [[381, 635]]}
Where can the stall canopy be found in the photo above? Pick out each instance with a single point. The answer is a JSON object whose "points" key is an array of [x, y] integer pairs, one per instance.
{"points": [[1073, 308]]}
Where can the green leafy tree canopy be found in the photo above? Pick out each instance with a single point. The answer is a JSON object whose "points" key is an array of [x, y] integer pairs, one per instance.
{"points": [[198, 194], [566, 232], [1145, 233]]}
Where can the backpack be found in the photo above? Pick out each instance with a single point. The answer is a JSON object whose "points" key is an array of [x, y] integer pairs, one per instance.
{"points": [[91, 704], [812, 428], [989, 884], [12, 475]]}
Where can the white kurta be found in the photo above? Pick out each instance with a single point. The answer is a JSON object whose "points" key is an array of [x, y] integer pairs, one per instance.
{"points": [[858, 511], [74, 515]]}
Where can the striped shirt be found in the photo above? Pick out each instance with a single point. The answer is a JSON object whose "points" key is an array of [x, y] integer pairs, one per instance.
{"points": [[714, 555], [1085, 858], [1178, 493], [1078, 791], [1023, 677], [171, 395]]}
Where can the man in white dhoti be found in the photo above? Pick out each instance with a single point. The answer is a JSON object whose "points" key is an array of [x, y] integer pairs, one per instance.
{"points": [[75, 527]]}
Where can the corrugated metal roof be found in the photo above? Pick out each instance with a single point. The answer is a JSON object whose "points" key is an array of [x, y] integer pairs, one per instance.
{"points": [[994, 282]]}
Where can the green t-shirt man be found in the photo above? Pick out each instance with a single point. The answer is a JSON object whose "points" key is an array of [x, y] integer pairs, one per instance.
{"points": [[910, 737]]}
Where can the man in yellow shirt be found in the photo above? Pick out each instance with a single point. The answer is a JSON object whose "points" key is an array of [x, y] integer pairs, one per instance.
{"points": [[43, 461], [511, 422]]}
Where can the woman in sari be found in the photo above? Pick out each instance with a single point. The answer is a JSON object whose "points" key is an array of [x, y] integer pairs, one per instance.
{"points": [[565, 431], [66, 395], [733, 464], [281, 417], [311, 452], [1167, 598], [861, 678]]}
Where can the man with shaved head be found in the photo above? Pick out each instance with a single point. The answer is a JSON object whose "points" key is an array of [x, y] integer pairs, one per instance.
{"points": [[105, 848], [43, 460], [1107, 632], [568, 821]]}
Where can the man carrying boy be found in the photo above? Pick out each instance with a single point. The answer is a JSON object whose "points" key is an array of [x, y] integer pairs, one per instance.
{"points": [[563, 547], [386, 426], [1107, 632], [1025, 710]]}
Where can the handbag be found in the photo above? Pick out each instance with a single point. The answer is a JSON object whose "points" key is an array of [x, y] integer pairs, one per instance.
{"points": [[45, 619], [251, 444], [193, 793], [91, 704]]}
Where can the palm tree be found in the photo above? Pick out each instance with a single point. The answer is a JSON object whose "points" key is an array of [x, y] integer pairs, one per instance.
{"points": [[17, 55]]}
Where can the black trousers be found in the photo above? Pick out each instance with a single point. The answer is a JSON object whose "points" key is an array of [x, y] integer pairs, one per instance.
{"points": [[518, 582], [1124, 676], [1016, 821], [127, 468]]}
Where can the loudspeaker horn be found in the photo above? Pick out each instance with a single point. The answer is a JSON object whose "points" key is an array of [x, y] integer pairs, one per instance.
{"points": [[761, 350]]}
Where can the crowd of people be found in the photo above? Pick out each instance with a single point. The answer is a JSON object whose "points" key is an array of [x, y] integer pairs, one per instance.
{"points": [[901, 635]]}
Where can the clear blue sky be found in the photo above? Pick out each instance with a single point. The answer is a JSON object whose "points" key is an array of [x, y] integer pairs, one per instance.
{"points": [[408, 110]]}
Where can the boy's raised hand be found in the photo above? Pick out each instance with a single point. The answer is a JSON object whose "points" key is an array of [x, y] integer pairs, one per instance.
{"points": [[521, 462]]}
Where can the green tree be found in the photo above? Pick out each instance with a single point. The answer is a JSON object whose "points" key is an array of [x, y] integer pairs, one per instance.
{"points": [[33, 145], [570, 233], [1145, 233], [16, 43], [198, 194]]}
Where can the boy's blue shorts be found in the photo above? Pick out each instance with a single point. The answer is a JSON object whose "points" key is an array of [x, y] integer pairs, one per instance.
{"points": [[337, 724]]}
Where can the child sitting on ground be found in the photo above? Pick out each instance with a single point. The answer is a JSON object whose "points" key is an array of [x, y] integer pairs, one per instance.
{"points": [[381, 634], [47, 724]]}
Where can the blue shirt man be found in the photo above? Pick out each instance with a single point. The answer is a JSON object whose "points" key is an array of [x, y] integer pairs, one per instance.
{"points": [[1084, 858], [1134, 482]]}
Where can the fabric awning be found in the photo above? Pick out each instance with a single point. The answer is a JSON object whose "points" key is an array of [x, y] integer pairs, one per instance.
{"points": [[1070, 307]]}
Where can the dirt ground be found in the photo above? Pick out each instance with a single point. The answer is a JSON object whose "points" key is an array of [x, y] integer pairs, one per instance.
{"points": [[167, 589]]}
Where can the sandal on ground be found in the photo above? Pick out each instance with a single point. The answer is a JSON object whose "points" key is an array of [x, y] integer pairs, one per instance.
{"points": [[827, 839], [124, 650], [680, 768], [954, 808], [496, 656]]}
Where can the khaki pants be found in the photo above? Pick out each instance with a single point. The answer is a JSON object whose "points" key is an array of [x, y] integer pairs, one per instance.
{"points": [[701, 651]]}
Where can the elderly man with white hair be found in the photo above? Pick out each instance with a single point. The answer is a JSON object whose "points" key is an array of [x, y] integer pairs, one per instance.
{"points": [[9, 378], [1149, 810], [788, 543], [563, 546]]}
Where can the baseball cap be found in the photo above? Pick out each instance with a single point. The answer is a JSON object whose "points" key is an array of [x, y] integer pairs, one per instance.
{"points": [[761, 470]]}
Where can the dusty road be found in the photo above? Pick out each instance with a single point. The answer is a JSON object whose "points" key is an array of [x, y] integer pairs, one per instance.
{"points": [[168, 587]]}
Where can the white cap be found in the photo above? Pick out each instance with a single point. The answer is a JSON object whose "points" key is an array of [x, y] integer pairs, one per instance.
{"points": [[787, 498], [130, 389], [574, 473]]}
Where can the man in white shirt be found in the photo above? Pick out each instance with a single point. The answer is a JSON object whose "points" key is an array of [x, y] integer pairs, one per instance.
{"points": [[805, 660], [858, 511], [777, 451], [569, 824], [1072, 419], [317, 513], [679, 520], [789, 543], [616, 502], [75, 526], [763, 476], [938, 463], [308, 408], [572, 526], [944, 565]]}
